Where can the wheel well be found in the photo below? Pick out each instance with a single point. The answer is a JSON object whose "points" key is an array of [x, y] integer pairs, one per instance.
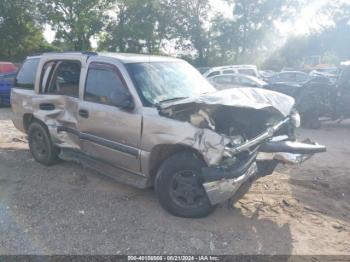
{"points": [[162, 152], [28, 119]]}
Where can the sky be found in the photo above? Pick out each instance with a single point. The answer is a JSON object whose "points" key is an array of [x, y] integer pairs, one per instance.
{"points": [[306, 20]]}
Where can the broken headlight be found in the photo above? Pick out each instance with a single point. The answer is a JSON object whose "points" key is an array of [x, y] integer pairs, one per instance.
{"points": [[295, 119]]}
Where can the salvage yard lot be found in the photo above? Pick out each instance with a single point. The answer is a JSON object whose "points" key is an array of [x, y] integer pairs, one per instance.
{"points": [[65, 209]]}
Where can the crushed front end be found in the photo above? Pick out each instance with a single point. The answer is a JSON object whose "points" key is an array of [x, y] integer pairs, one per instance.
{"points": [[257, 128], [255, 158]]}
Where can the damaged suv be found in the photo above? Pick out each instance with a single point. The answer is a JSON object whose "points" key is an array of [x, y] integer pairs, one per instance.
{"points": [[155, 121]]}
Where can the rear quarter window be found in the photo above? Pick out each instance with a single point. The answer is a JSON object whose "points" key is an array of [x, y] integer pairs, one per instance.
{"points": [[25, 78]]}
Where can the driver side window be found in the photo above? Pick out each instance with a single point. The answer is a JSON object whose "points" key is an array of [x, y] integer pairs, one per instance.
{"points": [[102, 80]]}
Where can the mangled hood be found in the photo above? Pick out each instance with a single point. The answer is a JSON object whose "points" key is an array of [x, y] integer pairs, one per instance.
{"points": [[252, 98]]}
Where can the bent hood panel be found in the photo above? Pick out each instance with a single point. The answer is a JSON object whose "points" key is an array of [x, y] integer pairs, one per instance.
{"points": [[253, 98]]}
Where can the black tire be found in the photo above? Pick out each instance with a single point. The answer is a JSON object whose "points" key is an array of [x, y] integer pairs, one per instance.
{"points": [[266, 168], [178, 186], [40, 144], [310, 120]]}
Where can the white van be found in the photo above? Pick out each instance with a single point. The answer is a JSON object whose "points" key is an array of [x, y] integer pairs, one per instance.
{"points": [[251, 70]]}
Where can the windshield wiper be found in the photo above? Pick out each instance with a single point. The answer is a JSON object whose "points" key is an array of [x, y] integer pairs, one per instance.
{"points": [[172, 99]]}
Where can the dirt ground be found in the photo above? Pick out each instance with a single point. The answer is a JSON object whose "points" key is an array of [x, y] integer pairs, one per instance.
{"points": [[66, 209]]}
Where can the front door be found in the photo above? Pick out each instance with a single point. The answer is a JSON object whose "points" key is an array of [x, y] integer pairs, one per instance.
{"points": [[107, 132]]}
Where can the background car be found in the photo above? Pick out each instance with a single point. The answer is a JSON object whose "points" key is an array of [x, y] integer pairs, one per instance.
{"points": [[236, 80], [7, 67], [6, 83], [251, 70], [290, 77]]}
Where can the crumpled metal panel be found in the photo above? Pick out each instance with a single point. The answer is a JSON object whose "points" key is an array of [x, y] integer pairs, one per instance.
{"points": [[253, 98], [159, 130]]}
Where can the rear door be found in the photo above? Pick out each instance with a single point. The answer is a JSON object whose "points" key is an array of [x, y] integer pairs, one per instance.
{"points": [[107, 132], [58, 97]]}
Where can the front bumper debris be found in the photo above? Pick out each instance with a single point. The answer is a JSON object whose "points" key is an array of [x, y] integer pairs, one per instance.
{"points": [[221, 190], [221, 183], [284, 158], [269, 133], [288, 152]]}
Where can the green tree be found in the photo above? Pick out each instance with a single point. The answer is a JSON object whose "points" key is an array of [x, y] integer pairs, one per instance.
{"points": [[138, 27], [248, 33], [20, 33], [189, 19], [75, 22], [331, 43]]}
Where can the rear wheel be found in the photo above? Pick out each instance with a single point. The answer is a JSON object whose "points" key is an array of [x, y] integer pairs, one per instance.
{"points": [[40, 144], [179, 188]]}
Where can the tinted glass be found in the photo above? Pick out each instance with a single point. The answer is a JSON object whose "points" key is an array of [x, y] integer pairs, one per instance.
{"points": [[228, 72], [46, 74], [65, 80], [223, 79], [100, 84], [214, 74], [26, 75], [249, 72], [247, 82], [301, 77]]}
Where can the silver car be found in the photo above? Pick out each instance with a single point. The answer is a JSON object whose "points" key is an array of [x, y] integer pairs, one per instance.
{"points": [[155, 121]]}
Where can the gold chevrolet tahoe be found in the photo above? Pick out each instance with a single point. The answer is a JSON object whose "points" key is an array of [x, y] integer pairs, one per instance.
{"points": [[152, 121]]}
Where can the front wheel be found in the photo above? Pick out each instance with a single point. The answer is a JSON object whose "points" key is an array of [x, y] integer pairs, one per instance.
{"points": [[40, 144], [179, 188]]}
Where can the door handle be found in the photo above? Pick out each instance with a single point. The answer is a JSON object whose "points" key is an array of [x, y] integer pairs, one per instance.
{"points": [[84, 113], [47, 106]]}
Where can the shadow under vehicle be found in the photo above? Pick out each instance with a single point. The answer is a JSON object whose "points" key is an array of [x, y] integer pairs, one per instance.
{"points": [[155, 121]]}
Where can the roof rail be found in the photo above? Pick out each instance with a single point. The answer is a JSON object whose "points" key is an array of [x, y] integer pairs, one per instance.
{"points": [[89, 53]]}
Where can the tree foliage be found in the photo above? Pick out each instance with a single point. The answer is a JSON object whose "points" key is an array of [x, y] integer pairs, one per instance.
{"points": [[331, 43], [75, 22], [138, 27], [187, 28], [20, 34]]}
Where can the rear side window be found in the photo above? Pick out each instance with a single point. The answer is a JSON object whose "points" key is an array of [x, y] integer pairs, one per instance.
{"points": [[101, 81], [65, 78], [215, 73], [26, 76], [224, 79], [249, 72]]}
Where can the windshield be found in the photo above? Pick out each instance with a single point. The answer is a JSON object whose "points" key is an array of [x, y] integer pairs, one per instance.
{"points": [[158, 82]]}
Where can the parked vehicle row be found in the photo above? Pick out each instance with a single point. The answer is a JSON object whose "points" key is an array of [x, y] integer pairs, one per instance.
{"points": [[251, 70], [324, 92]]}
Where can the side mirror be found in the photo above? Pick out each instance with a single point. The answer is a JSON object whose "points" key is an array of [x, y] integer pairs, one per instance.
{"points": [[122, 99]]}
